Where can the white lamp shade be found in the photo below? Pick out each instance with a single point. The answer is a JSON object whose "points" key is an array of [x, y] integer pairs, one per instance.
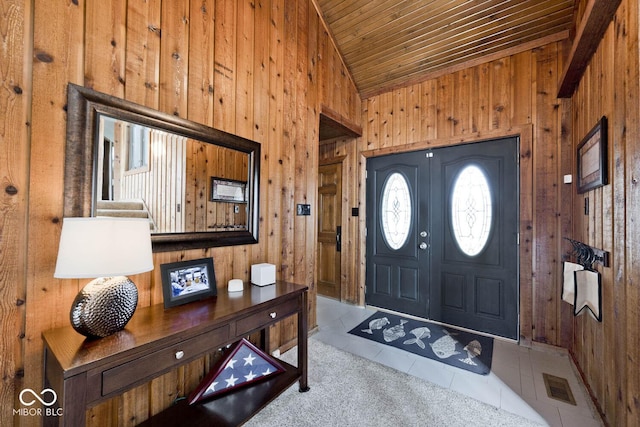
{"points": [[101, 247]]}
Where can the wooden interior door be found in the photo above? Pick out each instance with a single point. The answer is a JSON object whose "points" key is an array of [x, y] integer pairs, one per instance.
{"points": [[329, 230]]}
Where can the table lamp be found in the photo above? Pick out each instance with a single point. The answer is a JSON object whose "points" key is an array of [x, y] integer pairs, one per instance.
{"points": [[105, 249]]}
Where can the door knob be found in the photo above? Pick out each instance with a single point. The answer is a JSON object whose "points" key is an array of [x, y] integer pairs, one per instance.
{"points": [[423, 234], [423, 246]]}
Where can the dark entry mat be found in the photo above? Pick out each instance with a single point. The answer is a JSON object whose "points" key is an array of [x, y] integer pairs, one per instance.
{"points": [[454, 347]]}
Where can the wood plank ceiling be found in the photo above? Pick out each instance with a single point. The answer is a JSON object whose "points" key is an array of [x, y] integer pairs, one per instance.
{"points": [[389, 43]]}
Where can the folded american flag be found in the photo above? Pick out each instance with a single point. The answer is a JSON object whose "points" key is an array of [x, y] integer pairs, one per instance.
{"points": [[241, 365]]}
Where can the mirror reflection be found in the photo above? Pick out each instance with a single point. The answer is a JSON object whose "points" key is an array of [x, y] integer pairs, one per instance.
{"points": [[197, 185], [178, 183]]}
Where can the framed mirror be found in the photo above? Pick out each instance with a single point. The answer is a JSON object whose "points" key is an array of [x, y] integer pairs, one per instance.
{"points": [[198, 186]]}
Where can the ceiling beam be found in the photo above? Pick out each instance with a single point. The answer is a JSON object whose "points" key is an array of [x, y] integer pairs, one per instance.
{"points": [[597, 16]]}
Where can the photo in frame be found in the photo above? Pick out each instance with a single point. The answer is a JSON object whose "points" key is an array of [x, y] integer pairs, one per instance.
{"points": [[241, 365], [187, 281], [228, 190], [592, 158]]}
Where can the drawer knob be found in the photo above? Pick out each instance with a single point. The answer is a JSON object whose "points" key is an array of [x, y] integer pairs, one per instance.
{"points": [[179, 354], [273, 315]]}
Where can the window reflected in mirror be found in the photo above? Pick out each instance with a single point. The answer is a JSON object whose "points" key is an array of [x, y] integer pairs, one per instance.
{"points": [[168, 178]]}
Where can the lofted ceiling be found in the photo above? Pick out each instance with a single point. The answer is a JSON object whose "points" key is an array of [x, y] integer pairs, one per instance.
{"points": [[390, 43]]}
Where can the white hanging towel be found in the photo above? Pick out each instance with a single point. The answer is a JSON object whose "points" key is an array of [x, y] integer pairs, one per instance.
{"points": [[569, 282], [588, 293]]}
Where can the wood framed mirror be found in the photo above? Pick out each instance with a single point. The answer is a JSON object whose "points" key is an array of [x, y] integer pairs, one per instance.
{"points": [[124, 159]]}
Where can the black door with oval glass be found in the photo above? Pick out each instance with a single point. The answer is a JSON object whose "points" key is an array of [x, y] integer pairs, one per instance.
{"points": [[442, 235]]}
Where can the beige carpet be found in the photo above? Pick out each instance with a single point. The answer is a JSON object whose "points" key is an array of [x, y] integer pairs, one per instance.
{"points": [[347, 390]]}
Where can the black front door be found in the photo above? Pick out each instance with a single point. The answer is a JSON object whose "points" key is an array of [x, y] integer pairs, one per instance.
{"points": [[448, 251], [397, 206]]}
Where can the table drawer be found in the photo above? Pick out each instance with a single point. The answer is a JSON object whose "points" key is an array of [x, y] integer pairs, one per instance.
{"points": [[148, 366], [259, 319]]}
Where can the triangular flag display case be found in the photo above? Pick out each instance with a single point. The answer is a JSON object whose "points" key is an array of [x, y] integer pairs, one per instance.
{"points": [[242, 365]]}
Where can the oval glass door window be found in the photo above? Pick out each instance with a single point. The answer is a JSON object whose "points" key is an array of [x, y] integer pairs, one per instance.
{"points": [[395, 211], [471, 210]]}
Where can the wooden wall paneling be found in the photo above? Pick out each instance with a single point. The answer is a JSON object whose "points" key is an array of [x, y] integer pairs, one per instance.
{"points": [[55, 62], [632, 207], [429, 109], [399, 115], [546, 202], [297, 175], [311, 155], [225, 65], [200, 108], [567, 166], [289, 139], [596, 239], [462, 120], [499, 93], [224, 113], [271, 166], [371, 118], [480, 100], [578, 209], [631, 14], [292, 138], [444, 106], [520, 78], [106, 413], [245, 35], [348, 149], [245, 94], [104, 67], [130, 408], [605, 353], [608, 396], [386, 119], [261, 114], [566, 191], [142, 70], [14, 162], [174, 57], [272, 154], [338, 78], [414, 113], [200, 84], [527, 236]]}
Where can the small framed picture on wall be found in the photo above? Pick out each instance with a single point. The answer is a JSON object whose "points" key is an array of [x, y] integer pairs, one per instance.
{"points": [[592, 158]]}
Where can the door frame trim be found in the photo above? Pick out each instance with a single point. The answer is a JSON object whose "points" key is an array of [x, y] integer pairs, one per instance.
{"points": [[526, 219]]}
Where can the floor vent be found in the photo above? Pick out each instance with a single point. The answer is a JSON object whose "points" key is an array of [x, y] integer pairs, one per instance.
{"points": [[558, 388]]}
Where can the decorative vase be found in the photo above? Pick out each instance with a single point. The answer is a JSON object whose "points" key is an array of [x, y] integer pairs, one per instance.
{"points": [[104, 306]]}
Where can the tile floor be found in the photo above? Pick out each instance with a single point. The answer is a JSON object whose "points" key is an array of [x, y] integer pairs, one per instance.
{"points": [[515, 383]]}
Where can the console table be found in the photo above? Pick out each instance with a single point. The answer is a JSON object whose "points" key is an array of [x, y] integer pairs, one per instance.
{"points": [[84, 372]]}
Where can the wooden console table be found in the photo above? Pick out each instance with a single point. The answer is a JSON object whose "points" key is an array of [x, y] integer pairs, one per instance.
{"points": [[84, 372]]}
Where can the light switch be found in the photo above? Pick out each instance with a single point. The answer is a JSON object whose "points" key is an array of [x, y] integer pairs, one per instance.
{"points": [[303, 209]]}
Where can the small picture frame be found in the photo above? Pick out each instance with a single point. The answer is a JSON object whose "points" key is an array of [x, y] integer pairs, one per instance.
{"points": [[592, 158], [228, 190], [187, 281]]}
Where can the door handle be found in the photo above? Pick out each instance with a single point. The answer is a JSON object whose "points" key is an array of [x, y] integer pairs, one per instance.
{"points": [[338, 238], [423, 246]]}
